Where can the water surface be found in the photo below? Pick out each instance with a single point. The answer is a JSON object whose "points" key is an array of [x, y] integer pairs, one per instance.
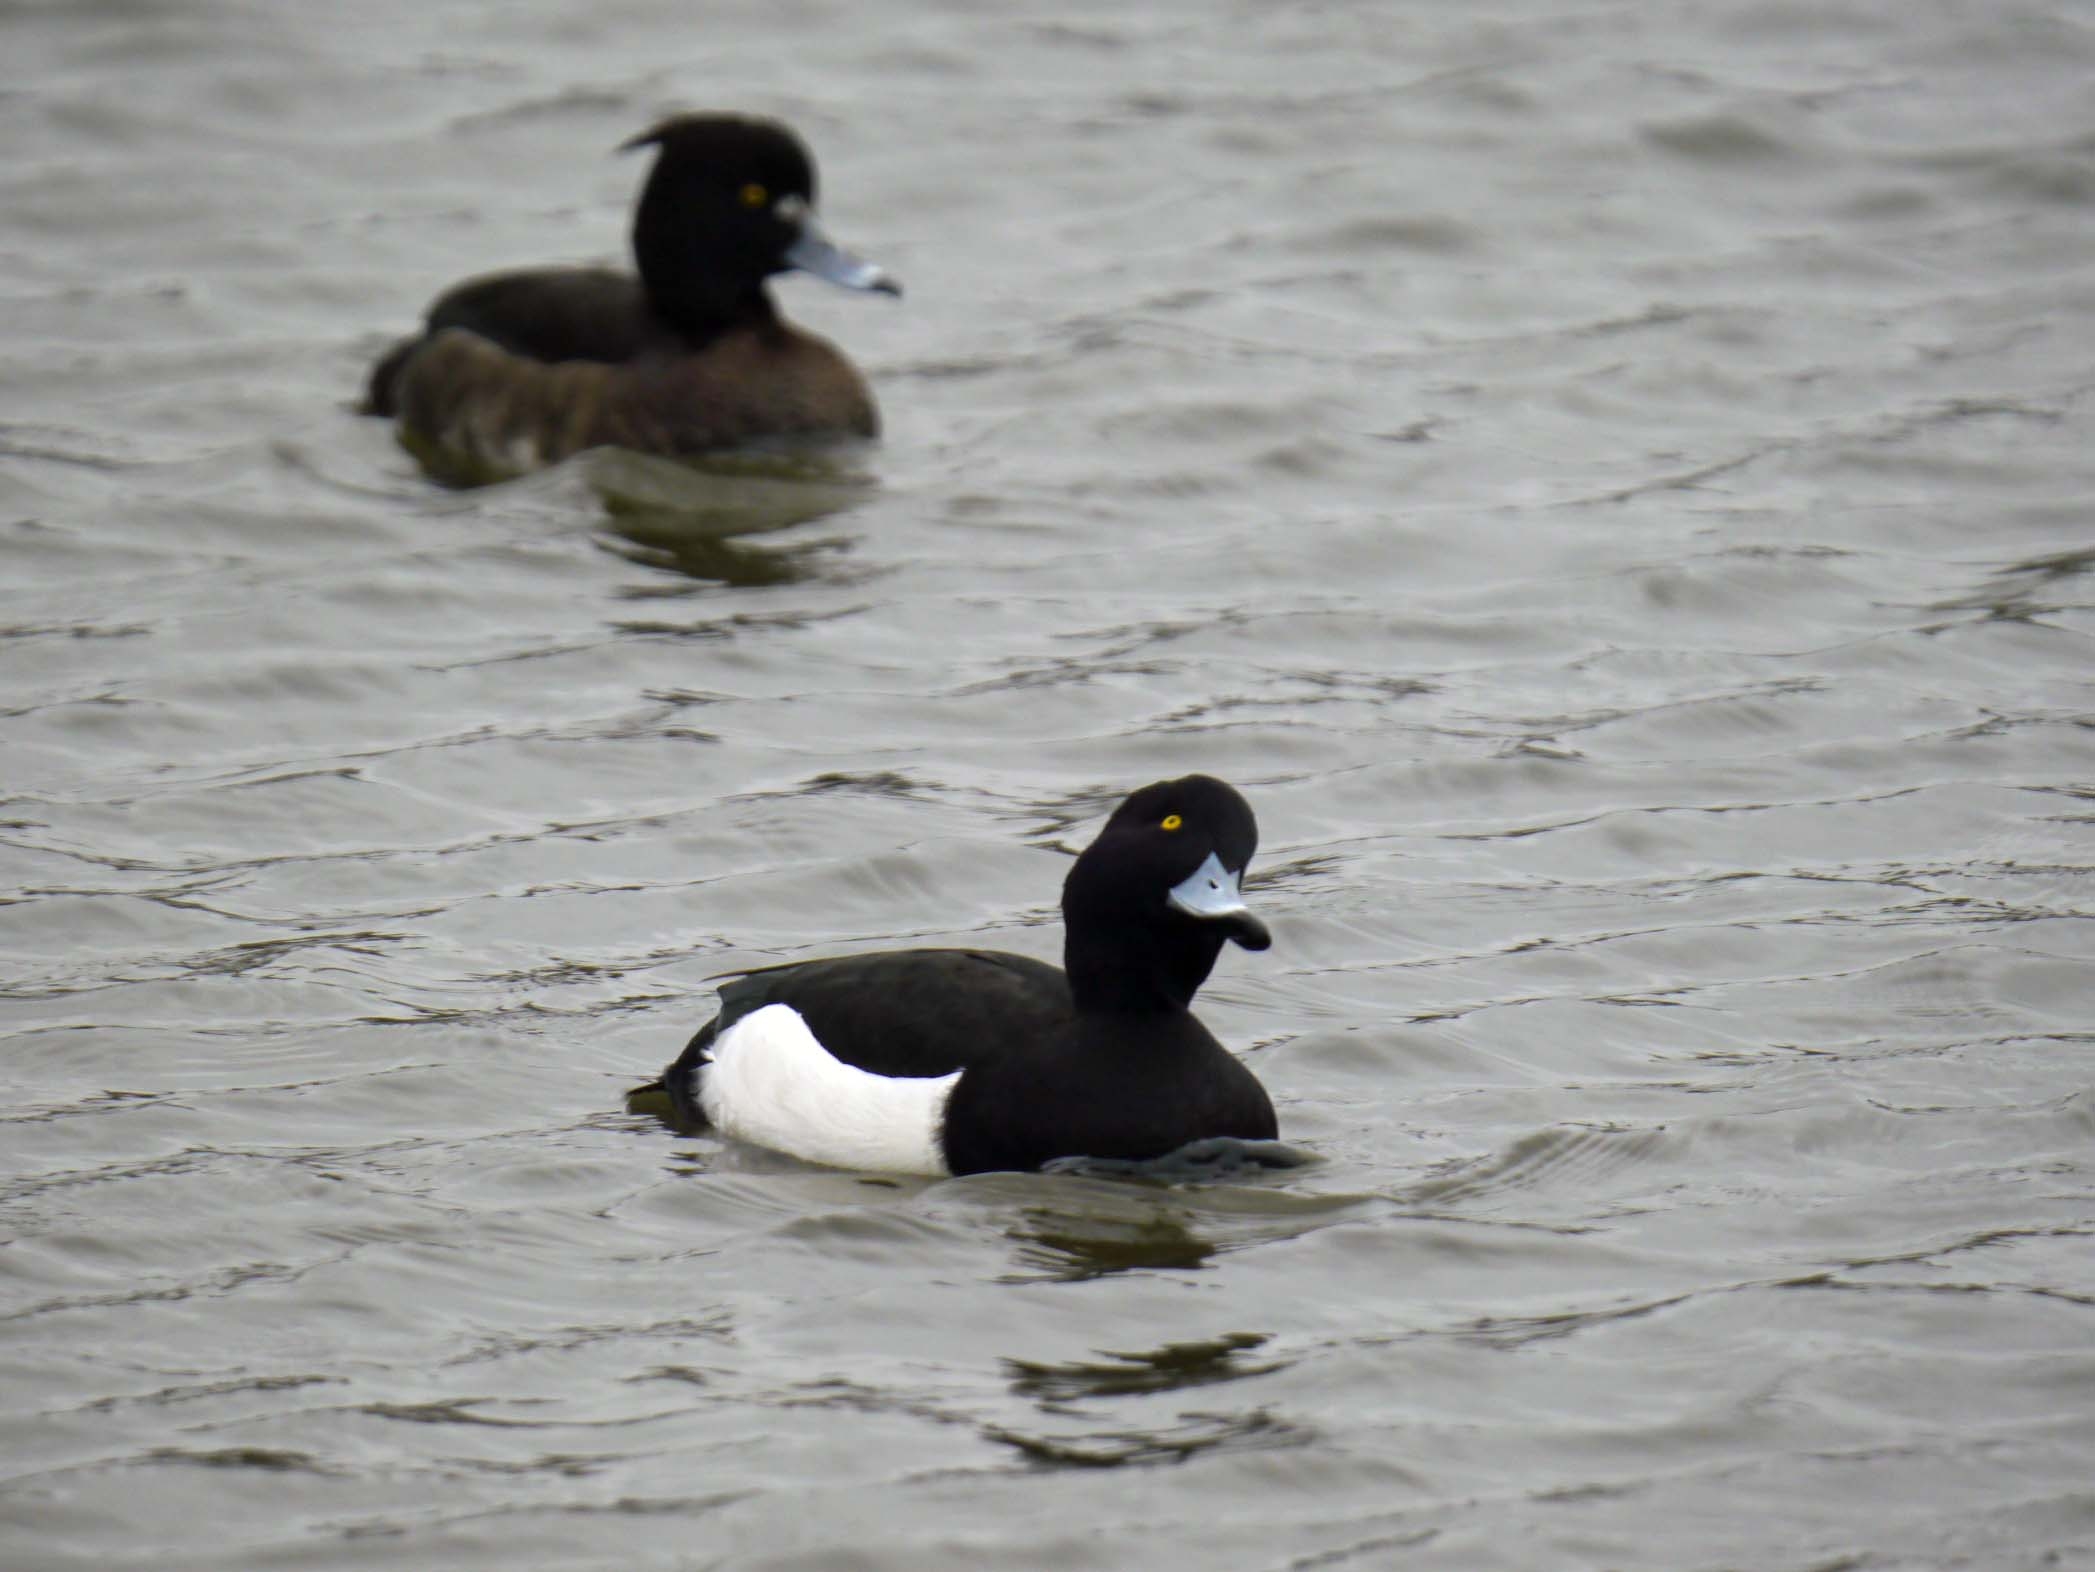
{"points": [[1609, 482]]}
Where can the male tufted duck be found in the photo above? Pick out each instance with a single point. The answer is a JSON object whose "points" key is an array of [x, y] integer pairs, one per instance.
{"points": [[964, 1061], [522, 369]]}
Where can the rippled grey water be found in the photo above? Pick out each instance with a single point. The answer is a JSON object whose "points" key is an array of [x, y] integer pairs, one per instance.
{"points": [[1611, 482]]}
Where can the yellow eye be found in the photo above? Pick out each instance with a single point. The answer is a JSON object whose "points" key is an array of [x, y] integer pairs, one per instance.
{"points": [[754, 195], [1172, 821]]}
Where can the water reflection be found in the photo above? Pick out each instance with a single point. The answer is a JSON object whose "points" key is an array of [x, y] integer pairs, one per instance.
{"points": [[2027, 591], [1076, 1246], [1063, 1391], [1195, 1434], [679, 544], [1171, 1368], [1069, 1228], [694, 517]]}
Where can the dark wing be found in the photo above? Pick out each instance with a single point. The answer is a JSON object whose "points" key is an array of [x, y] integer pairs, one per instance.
{"points": [[553, 314], [908, 1012], [900, 1012]]}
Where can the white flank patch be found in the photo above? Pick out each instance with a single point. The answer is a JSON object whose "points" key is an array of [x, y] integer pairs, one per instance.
{"points": [[771, 1084]]}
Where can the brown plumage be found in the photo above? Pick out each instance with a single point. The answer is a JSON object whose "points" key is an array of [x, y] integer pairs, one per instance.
{"points": [[522, 369]]}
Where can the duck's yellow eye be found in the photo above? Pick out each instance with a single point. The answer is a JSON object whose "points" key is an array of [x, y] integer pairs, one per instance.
{"points": [[1171, 821], [754, 195]]}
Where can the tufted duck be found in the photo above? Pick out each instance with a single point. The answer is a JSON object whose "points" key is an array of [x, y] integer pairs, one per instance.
{"points": [[962, 1061], [522, 369]]}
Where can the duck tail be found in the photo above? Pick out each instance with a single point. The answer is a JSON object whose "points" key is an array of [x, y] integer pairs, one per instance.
{"points": [[381, 394], [653, 1099]]}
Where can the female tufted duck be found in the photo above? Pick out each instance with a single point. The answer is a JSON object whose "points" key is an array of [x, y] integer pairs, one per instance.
{"points": [[963, 1061], [522, 369]]}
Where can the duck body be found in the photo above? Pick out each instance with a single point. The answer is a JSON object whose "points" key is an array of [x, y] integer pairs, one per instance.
{"points": [[516, 370], [479, 404], [965, 1061]]}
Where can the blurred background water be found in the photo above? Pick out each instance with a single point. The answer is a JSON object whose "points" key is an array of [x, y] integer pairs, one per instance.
{"points": [[1610, 482]]}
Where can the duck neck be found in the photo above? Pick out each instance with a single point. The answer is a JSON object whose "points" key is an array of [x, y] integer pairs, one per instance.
{"points": [[1136, 968], [693, 280]]}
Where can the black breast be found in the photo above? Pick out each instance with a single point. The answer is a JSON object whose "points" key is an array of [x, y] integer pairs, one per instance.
{"points": [[1129, 1087]]}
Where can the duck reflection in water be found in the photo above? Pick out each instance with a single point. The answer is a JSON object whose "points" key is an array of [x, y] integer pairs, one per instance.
{"points": [[1093, 1391], [704, 519]]}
